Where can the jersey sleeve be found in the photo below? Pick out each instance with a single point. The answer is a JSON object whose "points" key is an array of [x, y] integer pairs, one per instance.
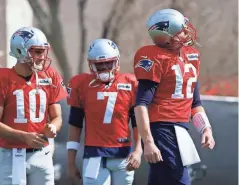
{"points": [[198, 63], [134, 83], [195, 57], [147, 66], [76, 117], [196, 97], [75, 91], [145, 92], [58, 92]]}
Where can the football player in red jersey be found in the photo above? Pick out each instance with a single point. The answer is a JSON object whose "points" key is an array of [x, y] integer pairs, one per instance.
{"points": [[29, 110], [167, 96], [105, 98]]}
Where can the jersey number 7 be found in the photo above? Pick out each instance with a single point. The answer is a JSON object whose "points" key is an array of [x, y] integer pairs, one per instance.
{"points": [[110, 104]]}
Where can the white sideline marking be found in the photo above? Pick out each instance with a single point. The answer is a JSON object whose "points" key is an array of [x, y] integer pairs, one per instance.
{"points": [[220, 98]]}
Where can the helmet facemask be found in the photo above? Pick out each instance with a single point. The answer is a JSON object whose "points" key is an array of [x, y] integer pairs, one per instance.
{"points": [[186, 37], [104, 70], [37, 58]]}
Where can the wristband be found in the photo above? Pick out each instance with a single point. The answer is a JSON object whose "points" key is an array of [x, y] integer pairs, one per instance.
{"points": [[200, 121], [72, 145]]}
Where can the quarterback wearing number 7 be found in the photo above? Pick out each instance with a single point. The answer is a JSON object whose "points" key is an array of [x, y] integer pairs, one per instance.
{"points": [[105, 98], [30, 112], [168, 95]]}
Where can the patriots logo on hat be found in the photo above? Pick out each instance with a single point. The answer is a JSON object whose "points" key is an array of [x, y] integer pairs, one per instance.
{"points": [[146, 64]]}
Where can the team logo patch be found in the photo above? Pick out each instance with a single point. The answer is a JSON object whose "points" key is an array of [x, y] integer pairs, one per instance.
{"points": [[26, 35], [122, 86], [46, 81], [162, 26], [146, 64], [193, 56]]}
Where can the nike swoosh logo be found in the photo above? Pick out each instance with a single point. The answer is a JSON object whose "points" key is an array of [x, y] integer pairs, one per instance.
{"points": [[144, 56], [47, 152]]}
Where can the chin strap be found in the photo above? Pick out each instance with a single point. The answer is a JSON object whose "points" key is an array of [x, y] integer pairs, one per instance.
{"points": [[93, 81], [37, 82]]}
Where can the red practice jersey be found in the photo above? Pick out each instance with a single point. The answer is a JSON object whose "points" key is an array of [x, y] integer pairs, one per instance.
{"points": [[26, 108], [106, 108], [177, 77]]}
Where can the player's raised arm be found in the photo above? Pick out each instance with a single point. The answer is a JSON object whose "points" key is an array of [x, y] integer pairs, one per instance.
{"points": [[55, 114], [55, 124]]}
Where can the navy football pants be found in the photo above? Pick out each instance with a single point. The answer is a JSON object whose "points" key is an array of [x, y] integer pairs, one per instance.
{"points": [[170, 171]]}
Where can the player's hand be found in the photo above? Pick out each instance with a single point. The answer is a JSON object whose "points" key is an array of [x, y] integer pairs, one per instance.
{"points": [[151, 153], [207, 139], [34, 139], [49, 131], [133, 160], [74, 175]]}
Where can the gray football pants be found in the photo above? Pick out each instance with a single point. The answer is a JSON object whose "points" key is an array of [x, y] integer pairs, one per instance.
{"points": [[39, 164], [113, 173]]}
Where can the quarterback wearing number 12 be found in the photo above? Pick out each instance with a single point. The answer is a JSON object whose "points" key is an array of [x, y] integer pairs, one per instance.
{"points": [[168, 95]]}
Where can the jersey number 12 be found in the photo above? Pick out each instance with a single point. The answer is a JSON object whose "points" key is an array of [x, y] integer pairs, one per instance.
{"points": [[179, 81]]}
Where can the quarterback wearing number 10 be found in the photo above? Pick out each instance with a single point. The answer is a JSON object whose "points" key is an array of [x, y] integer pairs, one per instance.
{"points": [[30, 112]]}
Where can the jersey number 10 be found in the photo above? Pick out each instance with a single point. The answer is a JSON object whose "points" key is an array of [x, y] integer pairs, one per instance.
{"points": [[20, 102]]}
